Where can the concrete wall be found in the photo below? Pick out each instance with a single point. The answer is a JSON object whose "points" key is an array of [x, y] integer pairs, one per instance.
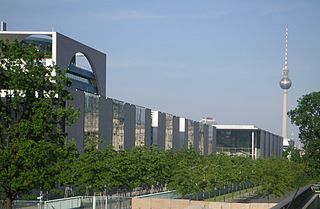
{"points": [[206, 142], [105, 121], [262, 143], [129, 125], [214, 142], [175, 134], [76, 130], [149, 203], [148, 128]]}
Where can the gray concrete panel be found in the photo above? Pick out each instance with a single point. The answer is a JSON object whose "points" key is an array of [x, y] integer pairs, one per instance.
{"points": [[105, 122], [76, 130], [272, 145], [128, 140], [148, 128], [276, 145], [206, 133], [185, 137], [175, 133], [262, 143], [161, 130], [268, 154], [214, 141]]}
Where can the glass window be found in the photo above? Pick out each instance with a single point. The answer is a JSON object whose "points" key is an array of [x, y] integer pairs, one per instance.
{"points": [[118, 125], [91, 117], [190, 133], [78, 78], [201, 143], [169, 131], [140, 126], [234, 142]]}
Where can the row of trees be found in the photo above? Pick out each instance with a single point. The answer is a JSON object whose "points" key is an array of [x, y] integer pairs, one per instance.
{"points": [[186, 171], [34, 153]]}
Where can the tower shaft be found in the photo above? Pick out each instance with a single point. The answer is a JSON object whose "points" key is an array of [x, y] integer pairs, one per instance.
{"points": [[285, 117]]}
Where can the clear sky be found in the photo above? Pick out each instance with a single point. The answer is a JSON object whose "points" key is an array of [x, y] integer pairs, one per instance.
{"points": [[192, 58]]}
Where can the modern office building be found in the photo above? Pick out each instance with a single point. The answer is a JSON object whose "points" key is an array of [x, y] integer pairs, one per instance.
{"points": [[123, 125], [248, 140]]}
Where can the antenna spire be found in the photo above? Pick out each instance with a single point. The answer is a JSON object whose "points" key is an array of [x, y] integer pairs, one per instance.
{"points": [[286, 50]]}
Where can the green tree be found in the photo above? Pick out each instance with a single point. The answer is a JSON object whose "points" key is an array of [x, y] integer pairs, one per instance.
{"points": [[33, 116], [186, 178], [277, 175], [307, 117], [292, 153]]}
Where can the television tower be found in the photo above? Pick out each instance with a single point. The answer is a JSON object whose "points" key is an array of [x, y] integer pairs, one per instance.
{"points": [[285, 84]]}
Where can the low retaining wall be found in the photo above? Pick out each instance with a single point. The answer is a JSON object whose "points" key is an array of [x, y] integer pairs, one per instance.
{"points": [[150, 203]]}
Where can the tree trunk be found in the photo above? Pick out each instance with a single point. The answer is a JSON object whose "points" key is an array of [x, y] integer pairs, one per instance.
{"points": [[8, 203]]}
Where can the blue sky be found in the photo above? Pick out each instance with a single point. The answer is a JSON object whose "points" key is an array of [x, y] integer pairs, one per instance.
{"points": [[192, 58]]}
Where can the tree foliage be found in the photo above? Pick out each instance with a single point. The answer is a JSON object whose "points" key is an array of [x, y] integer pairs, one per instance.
{"points": [[33, 117], [307, 117], [277, 176], [186, 171], [292, 153]]}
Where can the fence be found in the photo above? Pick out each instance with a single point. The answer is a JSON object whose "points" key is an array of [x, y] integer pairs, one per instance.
{"points": [[200, 196], [81, 202]]}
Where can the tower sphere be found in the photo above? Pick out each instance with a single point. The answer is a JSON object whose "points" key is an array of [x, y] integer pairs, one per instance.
{"points": [[285, 83]]}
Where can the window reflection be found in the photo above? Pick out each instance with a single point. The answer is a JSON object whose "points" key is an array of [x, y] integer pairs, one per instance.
{"points": [[201, 142], [140, 126], [91, 115], [118, 125], [235, 142], [190, 133], [169, 131]]}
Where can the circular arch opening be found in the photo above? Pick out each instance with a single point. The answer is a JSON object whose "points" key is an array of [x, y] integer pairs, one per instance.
{"points": [[80, 60], [81, 73]]}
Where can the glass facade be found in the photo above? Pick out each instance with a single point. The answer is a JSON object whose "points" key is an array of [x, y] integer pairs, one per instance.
{"points": [[91, 115], [140, 126], [169, 131], [118, 125], [190, 133], [234, 142], [201, 142], [78, 78]]}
